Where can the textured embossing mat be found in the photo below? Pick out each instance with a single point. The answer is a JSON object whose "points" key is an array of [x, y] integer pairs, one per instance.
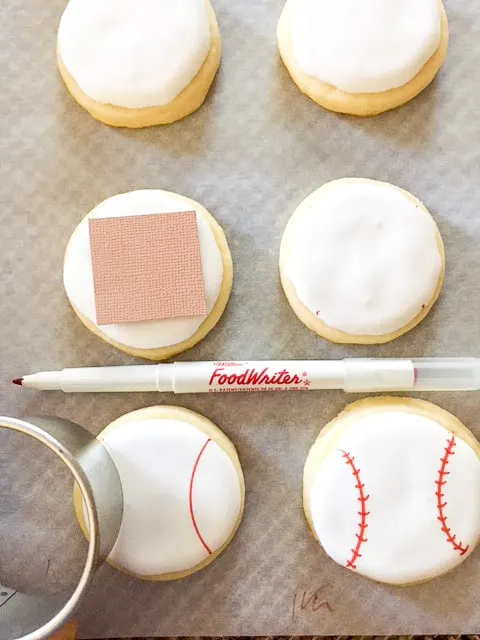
{"points": [[255, 150]]}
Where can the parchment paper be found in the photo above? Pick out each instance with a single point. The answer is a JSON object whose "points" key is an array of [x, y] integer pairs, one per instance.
{"points": [[250, 155]]}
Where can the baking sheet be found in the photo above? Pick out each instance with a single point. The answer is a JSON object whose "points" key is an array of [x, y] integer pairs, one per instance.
{"points": [[255, 150]]}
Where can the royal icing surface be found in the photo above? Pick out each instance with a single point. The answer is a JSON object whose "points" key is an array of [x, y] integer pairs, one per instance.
{"points": [[398, 498], [78, 276], [134, 53], [182, 495], [363, 257], [364, 47]]}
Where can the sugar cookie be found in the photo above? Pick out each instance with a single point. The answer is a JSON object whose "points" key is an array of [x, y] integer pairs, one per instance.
{"points": [[183, 492], [362, 58], [392, 490], [138, 63], [155, 339], [361, 261]]}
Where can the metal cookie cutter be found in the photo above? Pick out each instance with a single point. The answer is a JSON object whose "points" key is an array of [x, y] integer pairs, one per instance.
{"points": [[27, 617]]}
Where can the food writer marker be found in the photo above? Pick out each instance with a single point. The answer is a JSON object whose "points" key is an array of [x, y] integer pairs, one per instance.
{"points": [[352, 375]]}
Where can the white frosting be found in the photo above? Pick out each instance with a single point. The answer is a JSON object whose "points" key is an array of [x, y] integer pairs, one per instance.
{"points": [[158, 460], [363, 257], [364, 47], [399, 457], [134, 53], [78, 275]]}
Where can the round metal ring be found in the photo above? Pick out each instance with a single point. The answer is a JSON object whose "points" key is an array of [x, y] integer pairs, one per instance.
{"points": [[31, 617]]}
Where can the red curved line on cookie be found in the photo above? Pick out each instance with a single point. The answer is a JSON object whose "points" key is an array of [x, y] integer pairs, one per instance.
{"points": [[190, 499], [363, 513], [442, 503]]}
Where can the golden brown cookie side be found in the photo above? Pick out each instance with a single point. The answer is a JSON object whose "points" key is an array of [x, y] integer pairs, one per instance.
{"points": [[187, 101], [318, 326], [360, 104]]}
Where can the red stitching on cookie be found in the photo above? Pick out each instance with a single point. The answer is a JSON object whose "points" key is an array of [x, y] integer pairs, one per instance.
{"points": [[190, 499], [440, 482], [363, 513]]}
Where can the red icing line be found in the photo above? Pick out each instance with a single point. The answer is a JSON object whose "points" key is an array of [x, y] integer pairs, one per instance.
{"points": [[190, 499], [440, 482], [363, 513]]}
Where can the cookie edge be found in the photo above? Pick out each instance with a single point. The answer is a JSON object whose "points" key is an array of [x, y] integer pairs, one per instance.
{"points": [[361, 104], [332, 334], [214, 433], [329, 435], [165, 353], [189, 100]]}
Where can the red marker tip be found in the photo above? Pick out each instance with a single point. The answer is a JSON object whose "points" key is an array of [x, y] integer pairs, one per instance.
{"points": [[18, 381]]}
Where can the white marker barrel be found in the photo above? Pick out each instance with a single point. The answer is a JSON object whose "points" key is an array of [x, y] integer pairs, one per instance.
{"points": [[223, 377]]}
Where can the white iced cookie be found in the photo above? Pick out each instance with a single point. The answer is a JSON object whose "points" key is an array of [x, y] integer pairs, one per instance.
{"points": [[183, 492], [363, 57], [361, 261], [137, 63], [392, 490], [154, 339]]}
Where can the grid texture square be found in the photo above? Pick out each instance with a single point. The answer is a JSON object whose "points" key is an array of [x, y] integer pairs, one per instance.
{"points": [[146, 267]]}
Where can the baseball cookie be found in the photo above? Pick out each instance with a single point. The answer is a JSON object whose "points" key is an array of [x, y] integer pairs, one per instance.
{"points": [[392, 490], [138, 63], [183, 492], [363, 57], [361, 261], [155, 339]]}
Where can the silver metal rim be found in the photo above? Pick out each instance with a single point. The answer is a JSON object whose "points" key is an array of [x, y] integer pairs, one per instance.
{"points": [[80, 477]]}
